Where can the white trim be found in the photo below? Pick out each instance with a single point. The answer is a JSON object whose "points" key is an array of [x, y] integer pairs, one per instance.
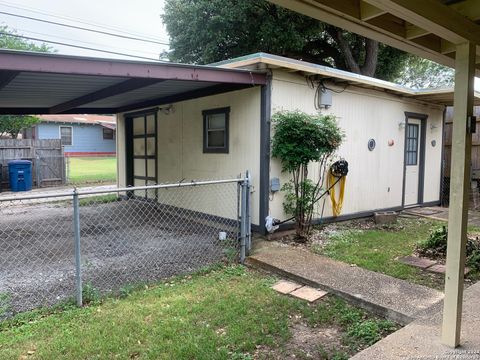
{"points": [[60, 134]]}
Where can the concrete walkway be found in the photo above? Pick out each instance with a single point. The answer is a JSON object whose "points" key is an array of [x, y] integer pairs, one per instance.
{"points": [[441, 213], [384, 295], [421, 339]]}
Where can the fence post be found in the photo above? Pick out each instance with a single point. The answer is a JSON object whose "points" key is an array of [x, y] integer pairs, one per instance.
{"points": [[76, 230], [248, 216], [243, 220]]}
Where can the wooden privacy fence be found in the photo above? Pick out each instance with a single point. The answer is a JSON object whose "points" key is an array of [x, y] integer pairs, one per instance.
{"points": [[46, 155], [447, 159]]}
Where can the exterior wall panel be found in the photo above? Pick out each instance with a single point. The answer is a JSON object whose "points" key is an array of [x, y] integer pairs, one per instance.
{"points": [[180, 147], [375, 180]]}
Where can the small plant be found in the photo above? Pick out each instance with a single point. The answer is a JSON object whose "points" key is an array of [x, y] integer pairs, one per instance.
{"points": [[90, 294], [4, 304], [299, 140], [436, 243]]}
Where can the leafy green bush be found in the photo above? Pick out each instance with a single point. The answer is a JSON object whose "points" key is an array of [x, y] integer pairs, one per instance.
{"points": [[435, 246], [436, 243], [298, 140]]}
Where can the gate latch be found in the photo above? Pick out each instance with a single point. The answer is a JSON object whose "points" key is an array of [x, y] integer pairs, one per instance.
{"points": [[472, 124]]}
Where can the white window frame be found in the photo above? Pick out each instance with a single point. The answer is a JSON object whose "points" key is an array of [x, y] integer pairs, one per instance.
{"points": [[60, 134]]}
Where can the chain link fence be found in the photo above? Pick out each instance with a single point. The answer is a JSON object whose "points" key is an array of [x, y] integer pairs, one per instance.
{"points": [[58, 247]]}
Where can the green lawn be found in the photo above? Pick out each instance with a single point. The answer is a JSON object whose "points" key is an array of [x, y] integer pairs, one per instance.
{"points": [[227, 313], [378, 248], [84, 170]]}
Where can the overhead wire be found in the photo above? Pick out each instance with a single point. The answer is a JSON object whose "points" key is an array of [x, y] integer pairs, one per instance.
{"points": [[22, 31], [83, 28], [81, 21], [78, 46]]}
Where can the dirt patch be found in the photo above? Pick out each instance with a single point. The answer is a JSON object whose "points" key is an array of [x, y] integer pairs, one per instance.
{"points": [[321, 234], [306, 343]]}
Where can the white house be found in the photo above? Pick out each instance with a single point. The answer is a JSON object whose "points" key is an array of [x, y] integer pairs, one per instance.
{"points": [[224, 134]]}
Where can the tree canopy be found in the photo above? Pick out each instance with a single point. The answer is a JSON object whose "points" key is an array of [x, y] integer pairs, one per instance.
{"points": [[13, 124], [207, 31]]}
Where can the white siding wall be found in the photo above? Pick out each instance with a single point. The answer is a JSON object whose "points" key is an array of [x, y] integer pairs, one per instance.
{"points": [[180, 143], [375, 180]]}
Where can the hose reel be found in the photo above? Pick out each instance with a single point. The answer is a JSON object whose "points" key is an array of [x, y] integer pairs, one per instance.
{"points": [[336, 174]]}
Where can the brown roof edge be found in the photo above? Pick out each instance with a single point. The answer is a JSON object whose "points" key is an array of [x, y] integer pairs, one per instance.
{"points": [[62, 64]]}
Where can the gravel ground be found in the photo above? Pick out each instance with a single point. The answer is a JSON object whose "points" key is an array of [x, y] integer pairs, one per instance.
{"points": [[123, 242]]}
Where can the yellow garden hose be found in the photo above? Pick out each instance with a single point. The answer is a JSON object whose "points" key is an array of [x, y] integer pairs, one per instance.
{"points": [[336, 205]]}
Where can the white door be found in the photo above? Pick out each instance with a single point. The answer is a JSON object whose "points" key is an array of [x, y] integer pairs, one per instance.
{"points": [[412, 161]]}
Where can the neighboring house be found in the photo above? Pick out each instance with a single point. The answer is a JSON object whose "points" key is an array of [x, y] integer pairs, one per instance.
{"points": [[222, 135], [81, 135]]}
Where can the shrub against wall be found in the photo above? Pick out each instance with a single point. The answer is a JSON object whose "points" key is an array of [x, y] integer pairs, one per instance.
{"points": [[300, 139]]}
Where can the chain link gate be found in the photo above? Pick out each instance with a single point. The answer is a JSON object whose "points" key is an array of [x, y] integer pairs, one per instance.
{"points": [[59, 246]]}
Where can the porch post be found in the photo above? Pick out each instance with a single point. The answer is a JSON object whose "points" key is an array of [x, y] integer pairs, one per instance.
{"points": [[459, 193]]}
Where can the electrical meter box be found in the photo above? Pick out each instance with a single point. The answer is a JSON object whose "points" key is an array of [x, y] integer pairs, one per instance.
{"points": [[274, 184]]}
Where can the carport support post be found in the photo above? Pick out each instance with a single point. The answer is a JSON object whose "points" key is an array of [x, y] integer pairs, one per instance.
{"points": [[76, 230], [459, 193]]}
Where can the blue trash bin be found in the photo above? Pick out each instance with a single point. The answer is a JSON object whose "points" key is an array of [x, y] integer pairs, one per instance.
{"points": [[20, 175]]}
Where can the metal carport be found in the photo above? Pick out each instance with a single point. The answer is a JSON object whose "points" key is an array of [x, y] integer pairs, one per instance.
{"points": [[38, 83]]}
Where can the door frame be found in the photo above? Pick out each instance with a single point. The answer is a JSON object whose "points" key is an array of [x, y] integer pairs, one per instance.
{"points": [[129, 172], [421, 158]]}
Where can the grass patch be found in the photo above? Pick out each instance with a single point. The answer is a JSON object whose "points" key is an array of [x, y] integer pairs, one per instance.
{"points": [[84, 170], [100, 199], [377, 248], [225, 313]]}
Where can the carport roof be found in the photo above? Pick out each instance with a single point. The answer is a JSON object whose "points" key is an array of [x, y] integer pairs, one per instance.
{"points": [[39, 83]]}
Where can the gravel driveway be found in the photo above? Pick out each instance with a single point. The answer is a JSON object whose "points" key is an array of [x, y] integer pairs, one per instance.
{"points": [[122, 242]]}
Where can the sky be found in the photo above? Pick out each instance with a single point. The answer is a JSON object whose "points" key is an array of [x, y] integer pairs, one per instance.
{"points": [[137, 18]]}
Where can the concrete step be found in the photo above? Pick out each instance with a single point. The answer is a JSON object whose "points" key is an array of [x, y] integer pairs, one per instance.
{"points": [[381, 294]]}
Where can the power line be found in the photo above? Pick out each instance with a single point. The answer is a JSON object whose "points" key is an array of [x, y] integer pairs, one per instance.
{"points": [[84, 42], [83, 28], [77, 46], [69, 18]]}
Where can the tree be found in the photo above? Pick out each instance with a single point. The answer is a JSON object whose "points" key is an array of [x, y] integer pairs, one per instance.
{"points": [[422, 73], [13, 124], [207, 31], [7, 41], [300, 139]]}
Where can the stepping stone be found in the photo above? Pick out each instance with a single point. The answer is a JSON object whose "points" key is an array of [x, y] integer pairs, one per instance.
{"points": [[441, 269], [438, 268], [308, 293], [421, 263], [285, 287]]}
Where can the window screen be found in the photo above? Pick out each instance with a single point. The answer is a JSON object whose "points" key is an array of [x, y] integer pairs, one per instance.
{"points": [[66, 135], [215, 130], [412, 144]]}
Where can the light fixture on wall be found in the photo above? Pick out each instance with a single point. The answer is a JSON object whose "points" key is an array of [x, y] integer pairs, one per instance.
{"points": [[401, 125], [167, 109]]}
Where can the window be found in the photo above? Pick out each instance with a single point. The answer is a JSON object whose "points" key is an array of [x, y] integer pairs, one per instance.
{"points": [[412, 144], [107, 134], [215, 130], [66, 135]]}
